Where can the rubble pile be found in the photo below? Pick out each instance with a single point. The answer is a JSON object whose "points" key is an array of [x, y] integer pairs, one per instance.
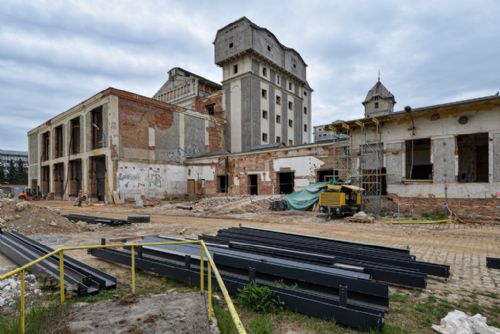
{"points": [[233, 204], [26, 217], [10, 290]]}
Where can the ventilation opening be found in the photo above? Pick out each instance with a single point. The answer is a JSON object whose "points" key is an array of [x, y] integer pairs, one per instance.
{"points": [[253, 185], [473, 157], [418, 159], [286, 182]]}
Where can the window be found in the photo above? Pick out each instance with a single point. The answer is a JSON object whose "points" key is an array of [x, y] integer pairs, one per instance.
{"points": [[290, 86], [473, 157], [290, 142], [235, 69], [264, 93], [278, 79], [305, 110], [305, 93], [269, 48], [45, 145], [264, 114], [264, 137], [305, 127], [210, 108], [278, 119], [294, 65], [290, 123], [231, 45], [290, 105], [418, 159], [376, 105], [58, 141], [74, 146], [264, 71], [278, 139], [278, 100], [97, 128]]}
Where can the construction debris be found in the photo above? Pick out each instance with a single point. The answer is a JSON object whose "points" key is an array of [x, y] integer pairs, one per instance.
{"points": [[96, 220], [457, 322], [10, 292], [361, 217]]}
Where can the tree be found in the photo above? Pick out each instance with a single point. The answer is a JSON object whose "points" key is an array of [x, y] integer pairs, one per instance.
{"points": [[21, 173], [2, 173], [11, 173]]}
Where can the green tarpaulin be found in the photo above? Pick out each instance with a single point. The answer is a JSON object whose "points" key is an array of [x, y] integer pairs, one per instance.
{"points": [[305, 198]]}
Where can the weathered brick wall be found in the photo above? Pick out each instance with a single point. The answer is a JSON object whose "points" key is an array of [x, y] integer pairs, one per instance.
{"points": [[217, 125]]}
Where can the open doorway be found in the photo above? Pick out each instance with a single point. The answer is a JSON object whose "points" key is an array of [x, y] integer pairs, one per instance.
{"points": [[74, 146], [45, 178], [59, 181], [253, 184], [75, 177], [222, 184], [374, 181], [473, 157], [286, 182], [97, 177], [418, 159]]}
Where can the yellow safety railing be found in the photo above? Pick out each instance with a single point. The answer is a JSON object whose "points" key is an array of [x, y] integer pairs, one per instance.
{"points": [[204, 253]]}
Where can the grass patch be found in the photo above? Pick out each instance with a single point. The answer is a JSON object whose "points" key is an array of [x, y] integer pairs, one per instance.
{"points": [[262, 325], [259, 298], [39, 319], [224, 320]]}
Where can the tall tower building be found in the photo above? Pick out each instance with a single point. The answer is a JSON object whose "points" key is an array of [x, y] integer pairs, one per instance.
{"points": [[379, 101], [266, 94]]}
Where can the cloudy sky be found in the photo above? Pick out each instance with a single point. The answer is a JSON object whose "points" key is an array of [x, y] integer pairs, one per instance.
{"points": [[55, 54]]}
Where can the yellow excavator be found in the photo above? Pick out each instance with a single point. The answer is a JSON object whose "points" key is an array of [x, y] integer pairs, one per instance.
{"points": [[340, 200]]}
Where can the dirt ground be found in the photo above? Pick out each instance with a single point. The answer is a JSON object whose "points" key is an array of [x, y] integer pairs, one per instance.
{"points": [[463, 247], [167, 313]]}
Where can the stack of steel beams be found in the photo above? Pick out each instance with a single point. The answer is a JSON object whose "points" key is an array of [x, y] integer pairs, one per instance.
{"points": [[78, 276], [392, 265], [97, 220], [344, 294]]}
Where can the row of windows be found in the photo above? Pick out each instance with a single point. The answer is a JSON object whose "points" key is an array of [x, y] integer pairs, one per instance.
{"points": [[278, 100], [265, 115], [278, 139]]}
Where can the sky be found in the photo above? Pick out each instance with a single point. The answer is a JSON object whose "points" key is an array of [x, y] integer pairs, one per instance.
{"points": [[55, 54]]}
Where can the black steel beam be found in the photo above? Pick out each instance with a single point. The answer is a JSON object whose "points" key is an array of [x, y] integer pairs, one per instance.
{"points": [[96, 220]]}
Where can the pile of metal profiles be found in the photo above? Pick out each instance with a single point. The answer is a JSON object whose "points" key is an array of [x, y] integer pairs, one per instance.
{"points": [[493, 262], [97, 220], [392, 265], [78, 277], [346, 295]]}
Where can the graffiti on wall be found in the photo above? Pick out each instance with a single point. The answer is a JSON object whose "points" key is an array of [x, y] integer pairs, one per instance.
{"points": [[180, 155]]}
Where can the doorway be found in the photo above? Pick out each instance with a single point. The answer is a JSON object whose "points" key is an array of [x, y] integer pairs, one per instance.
{"points": [[253, 184], [97, 175], [286, 182], [59, 180], [75, 177], [45, 171], [222, 184]]}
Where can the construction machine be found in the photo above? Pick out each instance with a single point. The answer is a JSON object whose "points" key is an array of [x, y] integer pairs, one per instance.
{"points": [[29, 194], [340, 200]]}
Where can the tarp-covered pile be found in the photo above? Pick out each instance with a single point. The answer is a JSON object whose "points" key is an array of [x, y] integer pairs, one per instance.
{"points": [[305, 198]]}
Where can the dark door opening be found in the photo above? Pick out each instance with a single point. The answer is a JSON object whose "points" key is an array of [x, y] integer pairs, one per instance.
{"points": [[75, 177], [59, 180], [75, 136], [253, 184], [45, 180], [374, 181], [97, 175], [418, 159], [325, 175], [286, 182], [222, 184]]}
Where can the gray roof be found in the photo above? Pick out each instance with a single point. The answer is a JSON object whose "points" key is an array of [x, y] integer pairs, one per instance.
{"points": [[378, 90], [10, 152]]}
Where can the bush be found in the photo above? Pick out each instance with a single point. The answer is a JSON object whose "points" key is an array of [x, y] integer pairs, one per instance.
{"points": [[258, 298]]}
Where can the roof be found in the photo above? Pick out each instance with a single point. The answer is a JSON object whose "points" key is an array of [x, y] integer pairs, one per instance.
{"points": [[267, 146], [415, 111], [255, 26], [203, 79], [10, 152], [378, 90]]}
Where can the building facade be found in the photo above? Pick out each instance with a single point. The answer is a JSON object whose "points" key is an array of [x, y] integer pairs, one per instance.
{"points": [[266, 94], [6, 156]]}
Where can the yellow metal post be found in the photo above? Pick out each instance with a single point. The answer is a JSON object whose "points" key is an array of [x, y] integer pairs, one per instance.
{"points": [[202, 269], [61, 276], [132, 253], [209, 267], [22, 302]]}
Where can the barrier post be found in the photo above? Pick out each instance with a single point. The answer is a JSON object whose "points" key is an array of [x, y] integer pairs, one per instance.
{"points": [[202, 269], [61, 276], [132, 257], [209, 292], [22, 315]]}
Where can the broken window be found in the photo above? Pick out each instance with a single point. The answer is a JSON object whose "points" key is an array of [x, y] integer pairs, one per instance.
{"points": [[45, 146], [286, 182], [269, 48], [473, 157], [305, 127], [222, 184], [264, 93], [290, 105], [290, 142], [278, 100], [58, 141], [231, 45], [376, 105], [278, 139], [210, 108], [290, 123], [264, 137], [418, 159], [235, 68], [278, 79], [278, 119], [264, 71], [264, 114], [290, 85], [253, 185], [97, 128], [305, 110], [74, 145]]}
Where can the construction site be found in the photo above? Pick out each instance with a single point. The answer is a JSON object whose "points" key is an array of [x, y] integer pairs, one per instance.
{"points": [[208, 208]]}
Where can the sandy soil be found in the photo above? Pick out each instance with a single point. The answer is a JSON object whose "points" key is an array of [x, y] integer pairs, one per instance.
{"points": [[463, 247]]}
